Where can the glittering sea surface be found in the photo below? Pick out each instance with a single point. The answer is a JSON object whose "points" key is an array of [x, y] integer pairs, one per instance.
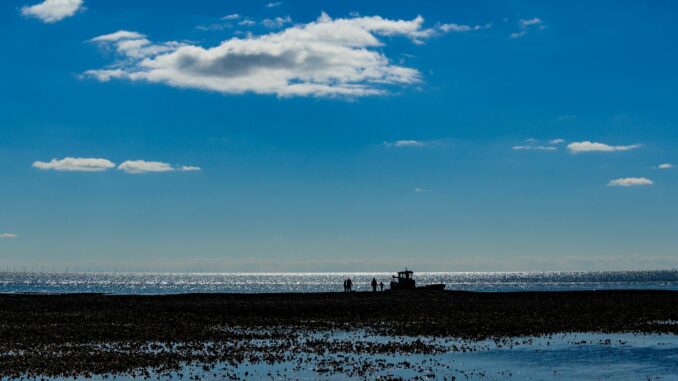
{"points": [[568, 356], [172, 283]]}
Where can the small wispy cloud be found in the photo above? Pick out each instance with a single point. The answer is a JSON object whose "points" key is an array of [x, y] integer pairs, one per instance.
{"points": [[75, 164], [406, 143], [534, 148], [421, 190], [274, 4], [527, 24], [630, 182], [567, 117], [8, 235], [556, 141], [233, 16], [277, 22], [247, 22], [51, 11], [214, 27], [453, 27], [665, 166], [587, 146], [118, 36], [136, 167], [531, 144], [188, 168], [142, 166]]}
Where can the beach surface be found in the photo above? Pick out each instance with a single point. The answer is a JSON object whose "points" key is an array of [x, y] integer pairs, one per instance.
{"points": [[93, 334]]}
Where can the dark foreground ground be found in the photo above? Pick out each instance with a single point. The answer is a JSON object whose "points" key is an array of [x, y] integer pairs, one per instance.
{"points": [[66, 335]]}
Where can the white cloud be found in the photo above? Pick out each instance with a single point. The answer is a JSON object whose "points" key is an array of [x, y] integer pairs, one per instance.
{"points": [[587, 146], [73, 164], [421, 190], [277, 22], [119, 35], [452, 27], [215, 26], [556, 141], [233, 16], [531, 144], [142, 166], [274, 4], [405, 143], [526, 24], [630, 182], [136, 167], [665, 166], [134, 46], [189, 168], [567, 117], [327, 57], [534, 148], [247, 22], [8, 235], [51, 11], [70, 164]]}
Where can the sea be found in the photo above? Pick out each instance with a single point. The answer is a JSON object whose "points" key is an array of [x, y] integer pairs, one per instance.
{"points": [[565, 356], [177, 283]]}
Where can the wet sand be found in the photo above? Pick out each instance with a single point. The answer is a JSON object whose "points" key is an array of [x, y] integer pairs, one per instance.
{"points": [[84, 334]]}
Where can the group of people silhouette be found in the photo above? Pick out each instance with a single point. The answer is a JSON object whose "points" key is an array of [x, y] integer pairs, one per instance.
{"points": [[348, 285]]}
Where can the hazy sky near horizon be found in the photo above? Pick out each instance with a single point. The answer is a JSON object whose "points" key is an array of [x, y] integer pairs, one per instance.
{"points": [[338, 136]]}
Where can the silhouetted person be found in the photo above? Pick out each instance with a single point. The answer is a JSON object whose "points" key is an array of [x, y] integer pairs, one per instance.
{"points": [[349, 284], [381, 284], [374, 284], [345, 285]]}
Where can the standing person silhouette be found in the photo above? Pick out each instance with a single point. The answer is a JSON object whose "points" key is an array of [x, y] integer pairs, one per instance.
{"points": [[345, 285], [381, 284], [374, 284], [349, 284]]}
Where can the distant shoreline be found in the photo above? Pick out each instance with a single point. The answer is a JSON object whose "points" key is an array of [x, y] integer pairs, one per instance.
{"points": [[65, 334]]}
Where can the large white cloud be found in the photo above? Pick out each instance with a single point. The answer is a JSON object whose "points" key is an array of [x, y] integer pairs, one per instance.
{"points": [[51, 11], [326, 57], [75, 164], [630, 182], [587, 146]]}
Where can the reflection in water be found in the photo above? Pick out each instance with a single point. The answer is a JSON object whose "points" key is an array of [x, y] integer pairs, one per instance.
{"points": [[581, 356]]}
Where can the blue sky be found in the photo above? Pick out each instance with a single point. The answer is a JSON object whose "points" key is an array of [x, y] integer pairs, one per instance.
{"points": [[338, 136]]}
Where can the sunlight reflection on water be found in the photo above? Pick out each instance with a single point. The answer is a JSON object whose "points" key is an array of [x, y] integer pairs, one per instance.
{"points": [[572, 356], [170, 283]]}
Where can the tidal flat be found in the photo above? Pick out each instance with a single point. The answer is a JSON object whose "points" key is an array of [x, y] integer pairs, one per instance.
{"points": [[389, 335]]}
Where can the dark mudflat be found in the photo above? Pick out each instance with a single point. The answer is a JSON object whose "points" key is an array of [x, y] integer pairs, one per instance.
{"points": [[90, 333]]}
